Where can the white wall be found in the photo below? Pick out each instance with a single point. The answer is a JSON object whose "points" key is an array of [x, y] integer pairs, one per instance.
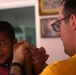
{"points": [[6, 4], [3, 1], [53, 46]]}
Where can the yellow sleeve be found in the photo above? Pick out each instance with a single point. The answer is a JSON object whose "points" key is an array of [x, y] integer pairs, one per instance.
{"points": [[65, 67], [50, 70]]}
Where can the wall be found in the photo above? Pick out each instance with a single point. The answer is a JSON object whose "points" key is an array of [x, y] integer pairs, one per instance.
{"points": [[6, 4], [4, 1]]}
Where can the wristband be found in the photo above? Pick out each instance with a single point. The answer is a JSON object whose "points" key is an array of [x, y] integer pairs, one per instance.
{"points": [[18, 64]]}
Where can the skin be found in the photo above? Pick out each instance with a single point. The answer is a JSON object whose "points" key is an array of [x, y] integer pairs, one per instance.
{"points": [[22, 51], [39, 58], [20, 55], [68, 33], [6, 48], [6, 53]]}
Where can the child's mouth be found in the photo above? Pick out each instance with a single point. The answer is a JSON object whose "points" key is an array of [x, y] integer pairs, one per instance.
{"points": [[1, 57]]}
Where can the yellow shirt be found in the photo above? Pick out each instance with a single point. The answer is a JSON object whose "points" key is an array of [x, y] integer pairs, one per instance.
{"points": [[65, 67]]}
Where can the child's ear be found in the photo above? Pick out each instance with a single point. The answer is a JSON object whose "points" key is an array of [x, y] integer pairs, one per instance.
{"points": [[15, 41]]}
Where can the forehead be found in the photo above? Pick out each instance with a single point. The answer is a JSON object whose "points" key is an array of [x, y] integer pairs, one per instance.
{"points": [[3, 36], [60, 12]]}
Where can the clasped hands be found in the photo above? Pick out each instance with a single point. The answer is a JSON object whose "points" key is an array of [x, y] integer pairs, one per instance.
{"points": [[31, 58]]}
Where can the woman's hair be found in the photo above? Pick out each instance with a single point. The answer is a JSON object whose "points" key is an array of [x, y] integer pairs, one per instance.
{"points": [[7, 29], [69, 7]]}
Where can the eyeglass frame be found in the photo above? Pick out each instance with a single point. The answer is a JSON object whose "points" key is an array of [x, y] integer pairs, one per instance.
{"points": [[55, 23]]}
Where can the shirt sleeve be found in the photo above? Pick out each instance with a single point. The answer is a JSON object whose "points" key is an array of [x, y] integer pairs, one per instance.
{"points": [[50, 70]]}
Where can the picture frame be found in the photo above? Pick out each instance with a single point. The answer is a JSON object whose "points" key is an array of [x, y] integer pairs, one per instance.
{"points": [[46, 28], [48, 7]]}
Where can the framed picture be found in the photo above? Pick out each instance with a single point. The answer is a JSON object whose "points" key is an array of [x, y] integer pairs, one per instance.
{"points": [[47, 7], [46, 28]]}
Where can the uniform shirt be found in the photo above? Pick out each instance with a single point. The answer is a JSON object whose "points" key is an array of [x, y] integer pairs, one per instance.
{"points": [[4, 70], [65, 67]]}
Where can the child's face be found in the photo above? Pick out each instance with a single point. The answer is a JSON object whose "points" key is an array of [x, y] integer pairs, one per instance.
{"points": [[6, 48]]}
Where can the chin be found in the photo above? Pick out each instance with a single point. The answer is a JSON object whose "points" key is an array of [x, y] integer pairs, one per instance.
{"points": [[2, 63], [69, 53], [66, 51]]}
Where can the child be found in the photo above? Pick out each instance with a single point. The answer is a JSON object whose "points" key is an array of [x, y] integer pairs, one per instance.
{"points": [[7, 42]]}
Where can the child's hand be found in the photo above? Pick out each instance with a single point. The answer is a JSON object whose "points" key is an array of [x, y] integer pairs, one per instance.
{"points": [[39, 58], [20, 52]]}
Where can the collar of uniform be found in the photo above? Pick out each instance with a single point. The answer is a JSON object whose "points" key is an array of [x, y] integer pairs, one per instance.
{"points": [[74, 56]]}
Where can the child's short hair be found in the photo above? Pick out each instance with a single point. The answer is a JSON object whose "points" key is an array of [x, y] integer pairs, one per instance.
{"points": [[7, 29]]}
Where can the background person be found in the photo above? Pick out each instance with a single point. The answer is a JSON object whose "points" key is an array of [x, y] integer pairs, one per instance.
{"points": [[66, 27]]}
